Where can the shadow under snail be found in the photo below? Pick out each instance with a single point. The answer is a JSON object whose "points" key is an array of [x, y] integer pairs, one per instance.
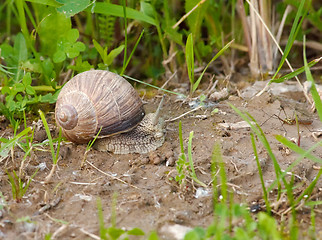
{"points": [[98, 99]]}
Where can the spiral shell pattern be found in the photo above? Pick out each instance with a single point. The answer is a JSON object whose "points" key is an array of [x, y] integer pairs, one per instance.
{"points": [[97, 99]]}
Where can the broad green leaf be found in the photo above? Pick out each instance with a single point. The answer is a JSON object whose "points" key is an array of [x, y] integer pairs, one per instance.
{"points": [[72, 7], [115, 233], [30, 90], [113, 54], [147, 9], [26, 79], [79, 46], [117, 10], [72, 52], [72, 35], [174, 35], [51, 29], [136, 232], [48, 98], [59, 56], [19, 87], [20, 48]]}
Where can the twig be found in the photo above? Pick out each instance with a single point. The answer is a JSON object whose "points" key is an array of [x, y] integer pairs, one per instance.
{"points": [[89, 234], [187, 14], [111, 176], [170, 78], [182, 115]]}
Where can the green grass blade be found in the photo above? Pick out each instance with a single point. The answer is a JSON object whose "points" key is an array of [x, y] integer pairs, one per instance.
{"points": [[295, 73], [132, 52], [190, 154], [192, 168], [259, 132], [181, 138], [150, 85], [50, 140], [296, 162], [260, 173], [315, 95], [295, 28], [309, 189], [10, 143], [196, 84], [218, 164], [190, 59], [125, 34], [297, 149], [103, 230]]}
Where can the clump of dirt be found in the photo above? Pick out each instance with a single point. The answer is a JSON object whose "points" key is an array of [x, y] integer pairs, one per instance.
{"points": [[148, 197]]}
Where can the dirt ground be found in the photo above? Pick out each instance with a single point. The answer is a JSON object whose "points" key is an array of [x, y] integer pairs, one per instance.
{"points": [[147, 198]]}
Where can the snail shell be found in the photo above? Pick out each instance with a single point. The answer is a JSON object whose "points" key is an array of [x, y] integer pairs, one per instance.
{"points": [[97, 99]]}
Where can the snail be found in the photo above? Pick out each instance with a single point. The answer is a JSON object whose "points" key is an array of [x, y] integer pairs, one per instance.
{"points": [[98, 100]]}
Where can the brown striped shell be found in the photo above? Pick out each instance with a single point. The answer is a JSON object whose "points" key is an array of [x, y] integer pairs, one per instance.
{"points": [[96, 99]]}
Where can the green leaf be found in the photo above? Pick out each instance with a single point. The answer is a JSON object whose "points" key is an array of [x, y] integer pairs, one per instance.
{"points": [[136, 232], [147, 9], [196, 84], [72, 35], [113, 54], [52, 3], [72, 52], [51, 29], [153, 236], [79, 46], [6, 90], [174, 35], [72, 7], [100, 50], [19, 87], [26, 79], [297, 149], [19, 97], [59, 56], [48, 98], [295, 73], [117, 10], [20, 48], [115, 233], [80, 66], [30, 90], [31, 65]]}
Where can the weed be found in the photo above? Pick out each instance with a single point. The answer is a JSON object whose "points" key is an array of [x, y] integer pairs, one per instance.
{"points": [[54, 154], [89, 146], [18, 187], [190, 62], [186, 168], [112, 232]]}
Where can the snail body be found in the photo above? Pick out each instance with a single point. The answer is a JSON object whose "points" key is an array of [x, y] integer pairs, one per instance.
{"points": [[101, 100]]}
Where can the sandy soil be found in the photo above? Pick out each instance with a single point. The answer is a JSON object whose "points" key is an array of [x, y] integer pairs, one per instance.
{"points": [[147, 195]]}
